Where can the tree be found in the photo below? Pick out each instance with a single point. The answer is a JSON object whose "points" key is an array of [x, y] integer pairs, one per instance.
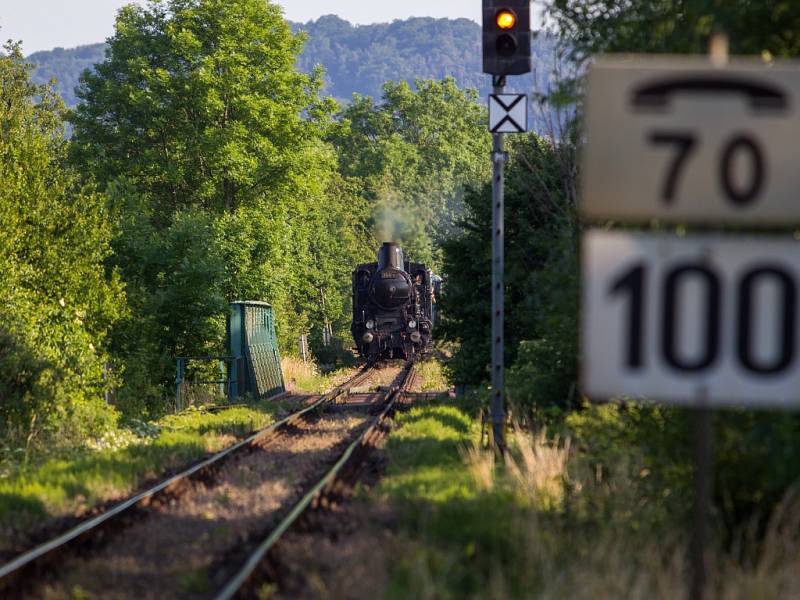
{"points": [[200, 104], [413, 155], [58, 299], [222, 186], [767, 27], [541, 278]]}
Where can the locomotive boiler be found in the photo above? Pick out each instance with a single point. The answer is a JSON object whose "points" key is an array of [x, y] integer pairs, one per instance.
{"points": [[394, 306]]}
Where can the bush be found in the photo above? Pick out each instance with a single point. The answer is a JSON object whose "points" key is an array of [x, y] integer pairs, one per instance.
{"points": [[756, 457], [545, 374], [23, 386], [58, 299], [541, 275]]}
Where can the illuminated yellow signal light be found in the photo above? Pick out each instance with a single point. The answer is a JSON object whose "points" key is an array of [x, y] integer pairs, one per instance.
{"points": [[506, 19]]}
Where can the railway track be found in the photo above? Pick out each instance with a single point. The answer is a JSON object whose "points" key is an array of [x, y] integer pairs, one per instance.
{"points": [[344, 472], [83, 548]]}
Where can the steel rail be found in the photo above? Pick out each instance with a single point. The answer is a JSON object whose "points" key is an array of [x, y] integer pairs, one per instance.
{"points": [[43, 550], [240, 579]]}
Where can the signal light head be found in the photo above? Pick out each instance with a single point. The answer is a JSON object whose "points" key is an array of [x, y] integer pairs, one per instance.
{"points": [[506, 37], [506, 19], [506, 45]]}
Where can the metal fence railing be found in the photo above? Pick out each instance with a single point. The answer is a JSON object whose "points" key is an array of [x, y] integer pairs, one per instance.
{"points": [[189, 392]]}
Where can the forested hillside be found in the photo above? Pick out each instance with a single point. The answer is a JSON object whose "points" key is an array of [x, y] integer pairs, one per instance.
{"points": [[356, 59], [361, 58], [65, 67]]}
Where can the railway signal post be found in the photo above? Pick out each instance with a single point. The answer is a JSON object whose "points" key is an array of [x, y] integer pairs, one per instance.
{"points": [[506, 51]]}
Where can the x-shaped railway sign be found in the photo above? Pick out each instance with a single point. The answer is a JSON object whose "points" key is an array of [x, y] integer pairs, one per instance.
{"points": [[508, 113]]}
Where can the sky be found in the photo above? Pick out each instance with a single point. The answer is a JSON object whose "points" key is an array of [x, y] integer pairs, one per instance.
{"points": [[46, 24]]}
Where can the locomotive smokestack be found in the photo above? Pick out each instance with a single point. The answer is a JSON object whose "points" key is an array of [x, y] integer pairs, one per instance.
{"points": [[391, 255]]}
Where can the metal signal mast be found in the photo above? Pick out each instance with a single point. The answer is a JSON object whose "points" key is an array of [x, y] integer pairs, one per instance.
{"points": [[506, 51]]}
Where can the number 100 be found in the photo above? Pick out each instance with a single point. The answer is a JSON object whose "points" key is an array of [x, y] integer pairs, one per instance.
{"points": [[632, 285]]}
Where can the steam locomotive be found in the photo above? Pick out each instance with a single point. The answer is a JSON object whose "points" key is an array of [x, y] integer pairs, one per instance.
{"points": [[394, 306]]}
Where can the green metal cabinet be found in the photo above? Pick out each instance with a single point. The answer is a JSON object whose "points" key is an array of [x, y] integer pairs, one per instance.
{"points": [[251, 332]]}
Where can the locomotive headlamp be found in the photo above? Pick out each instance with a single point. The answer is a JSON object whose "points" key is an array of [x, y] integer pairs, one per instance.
{"points": [[416, 337], [412, 324], [506, 19], [370, 324], [368, 337]]}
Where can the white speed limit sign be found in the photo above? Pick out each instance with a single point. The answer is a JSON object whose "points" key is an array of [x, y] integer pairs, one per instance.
{"points": [[679, 140], [673, 319]]}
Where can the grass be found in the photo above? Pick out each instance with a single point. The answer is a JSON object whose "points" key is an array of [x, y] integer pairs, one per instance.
{"points": [[548, 523], [433, 377], [426, 464], [304, 376], [116, 465]]}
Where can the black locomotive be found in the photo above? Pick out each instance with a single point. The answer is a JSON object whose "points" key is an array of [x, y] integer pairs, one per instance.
{"points": [[394, 306]]}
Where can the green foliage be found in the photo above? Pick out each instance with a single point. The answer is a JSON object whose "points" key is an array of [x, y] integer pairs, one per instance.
{"points": [[769, 27], [58, 299], [754, 452], [756, 460], [545, 373], [425, 460], [466, 528], [206, 93], [646, 446], [435, 495], [361, 59], [412, 156], [541, 278], [431, 371], [306, 377], [470, 528]]}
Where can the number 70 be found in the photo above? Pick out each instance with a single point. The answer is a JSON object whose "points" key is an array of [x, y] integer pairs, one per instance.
{"points": [[740, 144]]}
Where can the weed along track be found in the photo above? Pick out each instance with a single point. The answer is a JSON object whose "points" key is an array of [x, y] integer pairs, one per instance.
{"points": [[190, 536]]}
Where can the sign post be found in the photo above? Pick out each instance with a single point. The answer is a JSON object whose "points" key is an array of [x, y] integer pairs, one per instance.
{"points": [[699, 320], [499, 160], [703, 488], [703, 451], [508, 113]]}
